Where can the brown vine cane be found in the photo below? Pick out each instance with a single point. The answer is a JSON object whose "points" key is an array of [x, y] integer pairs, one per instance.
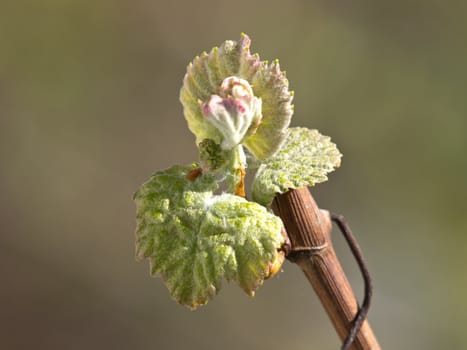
{"points": [[309, 231]]}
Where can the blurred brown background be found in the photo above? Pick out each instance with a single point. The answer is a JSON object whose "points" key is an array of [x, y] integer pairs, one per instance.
{"points": [[89, 109]]}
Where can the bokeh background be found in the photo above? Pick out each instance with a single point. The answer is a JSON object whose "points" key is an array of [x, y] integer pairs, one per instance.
{"points": [[89, 109]]}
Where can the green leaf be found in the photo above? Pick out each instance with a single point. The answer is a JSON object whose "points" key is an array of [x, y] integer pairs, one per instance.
{"points": [[304, 160], [205, 77], [211, 156], [194, 239]]}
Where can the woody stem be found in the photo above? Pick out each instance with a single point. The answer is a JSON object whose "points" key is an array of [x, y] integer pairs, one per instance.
{"points": [[309, 231]]}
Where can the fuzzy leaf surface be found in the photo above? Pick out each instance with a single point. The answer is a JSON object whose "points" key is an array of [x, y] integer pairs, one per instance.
{"points": [[305, 159], [204, 78], [194, 239]]}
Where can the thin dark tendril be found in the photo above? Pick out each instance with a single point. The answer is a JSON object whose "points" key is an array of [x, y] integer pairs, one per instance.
{"points": [[357, 253]]}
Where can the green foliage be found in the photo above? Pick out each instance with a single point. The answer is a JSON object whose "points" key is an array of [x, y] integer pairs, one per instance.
{"points": [[304, 160], [194, 239], [212, 156], [205, 77]]}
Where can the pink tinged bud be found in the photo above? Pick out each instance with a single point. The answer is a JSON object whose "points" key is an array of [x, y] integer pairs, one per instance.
{"points": [[233, 112]]}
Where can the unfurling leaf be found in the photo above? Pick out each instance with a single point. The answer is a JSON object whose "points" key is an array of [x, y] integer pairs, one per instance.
{"points": [[304, 160], [194, 239], [230, 96]]}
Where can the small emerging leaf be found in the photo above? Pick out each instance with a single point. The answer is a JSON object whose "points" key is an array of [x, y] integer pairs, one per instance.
{"points": [[263, 124], [194, 239], [233, 111], [304, 160]]}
